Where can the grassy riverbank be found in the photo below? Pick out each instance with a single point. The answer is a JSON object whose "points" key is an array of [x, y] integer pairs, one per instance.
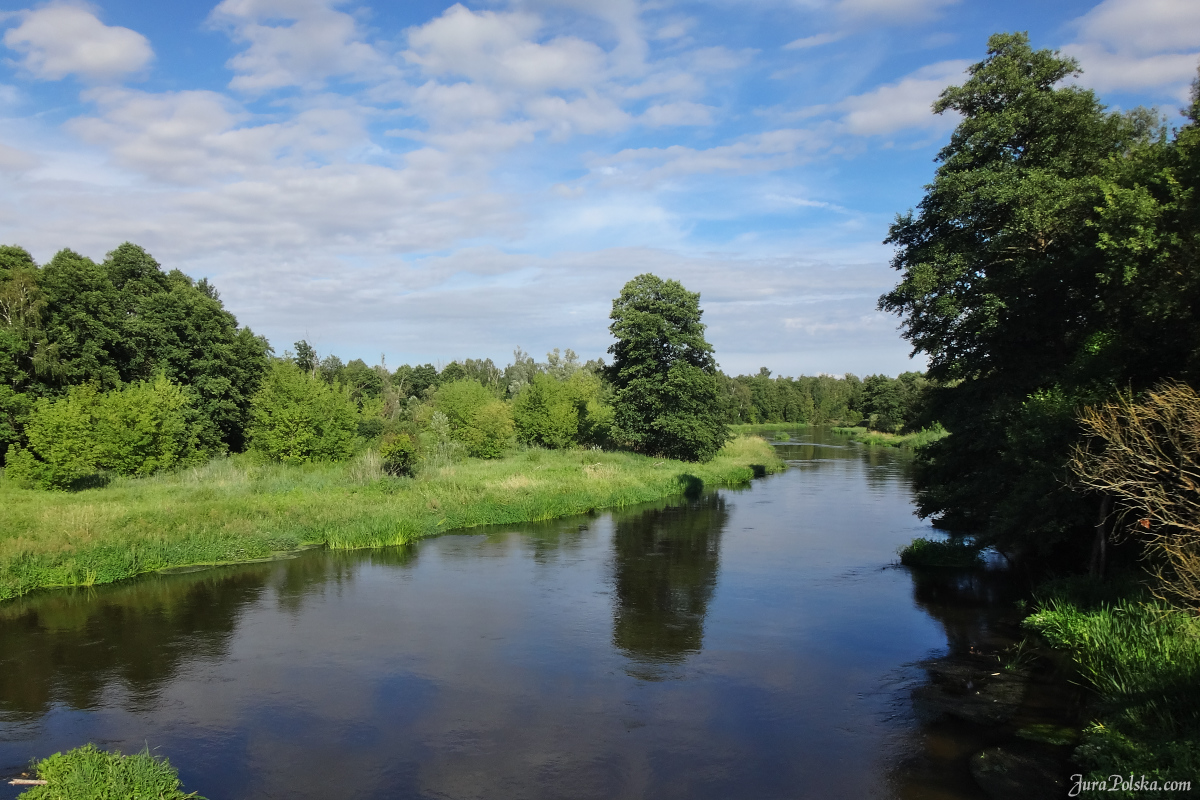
{"points": [[235, 510], [1142, 661], [879, 438]]}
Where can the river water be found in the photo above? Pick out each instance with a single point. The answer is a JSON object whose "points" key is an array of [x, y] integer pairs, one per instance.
{"points": [[748, 643]]}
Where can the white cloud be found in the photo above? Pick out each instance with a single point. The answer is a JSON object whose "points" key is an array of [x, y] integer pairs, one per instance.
{"points": [[498, 49], [903, 105], [13, 159], [1139, 44], [814, 41], [198, 137], [1143, 27], [680, 113], [66, 38], [587, 115], [316, 43]]}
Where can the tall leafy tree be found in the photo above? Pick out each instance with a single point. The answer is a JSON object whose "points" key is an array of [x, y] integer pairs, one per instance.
{"points": [[666, 397], [74, 321], [1007, 288]]}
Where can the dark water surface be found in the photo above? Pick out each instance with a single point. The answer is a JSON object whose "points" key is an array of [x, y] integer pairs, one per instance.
{"points": [[747, 643]]}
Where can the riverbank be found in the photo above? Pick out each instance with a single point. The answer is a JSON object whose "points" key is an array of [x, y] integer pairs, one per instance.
{"points": [[879, 438], [1141, 660], [235, 509]]}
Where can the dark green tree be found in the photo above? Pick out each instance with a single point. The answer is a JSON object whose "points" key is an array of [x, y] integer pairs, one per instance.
{"points": [[1012, 285], [666, 397]]}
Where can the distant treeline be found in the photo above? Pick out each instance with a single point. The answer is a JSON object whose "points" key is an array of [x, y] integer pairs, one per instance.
{"points": [[119, 367]]}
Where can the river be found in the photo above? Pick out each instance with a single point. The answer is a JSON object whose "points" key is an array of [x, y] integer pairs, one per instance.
{"points": [[745, 643]]}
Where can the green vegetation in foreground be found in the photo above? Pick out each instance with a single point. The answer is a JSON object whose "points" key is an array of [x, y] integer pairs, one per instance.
{"points": [[873, 438], [955, 552], [237, 509], [88, 773], [1142, 660]]}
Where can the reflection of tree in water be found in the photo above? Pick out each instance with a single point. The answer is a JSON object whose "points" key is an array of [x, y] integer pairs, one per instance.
{"points": [[665, 570], [67, 647]]}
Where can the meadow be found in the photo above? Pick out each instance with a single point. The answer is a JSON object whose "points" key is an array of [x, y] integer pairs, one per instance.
{"points": [[238, 508]]}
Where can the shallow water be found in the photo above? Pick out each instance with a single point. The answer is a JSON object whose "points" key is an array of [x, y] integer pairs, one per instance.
{"points": [[754, 643]]}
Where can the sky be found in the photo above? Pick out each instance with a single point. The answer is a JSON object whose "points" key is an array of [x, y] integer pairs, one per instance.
{"points": [[430, 182]]}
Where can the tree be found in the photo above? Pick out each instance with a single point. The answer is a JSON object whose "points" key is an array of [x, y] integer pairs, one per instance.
{"points": [[74, 321], [1018, 282], [477, 419], [666, 393], [297, 417]]}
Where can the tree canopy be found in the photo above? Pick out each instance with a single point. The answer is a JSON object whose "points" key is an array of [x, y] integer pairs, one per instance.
{"points": [[1054, 247], [666, 395]]}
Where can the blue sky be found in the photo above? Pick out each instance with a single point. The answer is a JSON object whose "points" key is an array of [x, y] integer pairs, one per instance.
{"points": [[433, 181]]}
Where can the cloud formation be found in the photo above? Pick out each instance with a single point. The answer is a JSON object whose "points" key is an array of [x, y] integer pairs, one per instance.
{"points": [[66, 38], [1128, 45]]}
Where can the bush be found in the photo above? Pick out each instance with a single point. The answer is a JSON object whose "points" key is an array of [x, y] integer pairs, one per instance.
{"points": [[399, 454], [478, 420], [297, 418], [138, 430]]}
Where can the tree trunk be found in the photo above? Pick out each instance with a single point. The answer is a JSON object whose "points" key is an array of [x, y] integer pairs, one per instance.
{"points": [[1100, 544]]}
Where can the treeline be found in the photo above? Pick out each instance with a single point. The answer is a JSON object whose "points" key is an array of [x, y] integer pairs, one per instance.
{"points": [[878, 401], [121, 368]]}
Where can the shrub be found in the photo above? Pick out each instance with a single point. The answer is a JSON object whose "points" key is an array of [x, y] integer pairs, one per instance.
{"points": [[297, 418], [476, 419], [399, 454], [138, 430], [545, 414]]}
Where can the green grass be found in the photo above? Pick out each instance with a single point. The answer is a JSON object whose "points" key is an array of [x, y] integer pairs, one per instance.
{"points": [[1142, 661], [236, 510], [922, 552], [88, 773], [880, 439]]}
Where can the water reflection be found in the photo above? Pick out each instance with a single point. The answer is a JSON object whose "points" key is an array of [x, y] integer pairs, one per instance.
{"points": [[67, 647], [665, 568]]}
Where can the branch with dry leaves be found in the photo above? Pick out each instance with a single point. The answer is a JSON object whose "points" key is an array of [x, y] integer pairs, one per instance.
{"points": [[1145, 454]]}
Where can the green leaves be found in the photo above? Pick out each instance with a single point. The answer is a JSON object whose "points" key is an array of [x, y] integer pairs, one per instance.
{"points": [[666, 400], [143, 428], [476, 418], [1052, 258], [298, 418]]}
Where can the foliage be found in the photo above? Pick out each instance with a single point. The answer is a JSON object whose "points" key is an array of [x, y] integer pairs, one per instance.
{"points": [[74, 321], [240, 508], [477, 419], [137, 430], [557, 412], [1147, 455], [953, 552], [813, 400], [1047, 259], [296, 417], [399, 454], [1143, 662], [666, 397], [88, 773]]}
